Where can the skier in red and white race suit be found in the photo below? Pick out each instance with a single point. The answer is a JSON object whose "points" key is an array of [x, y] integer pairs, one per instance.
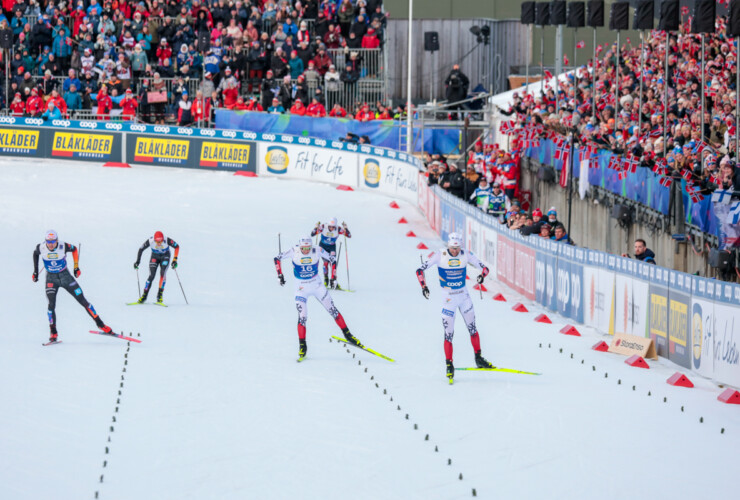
{"points": [[305, 258], [160, 258], [53, 254], [452, 265]]}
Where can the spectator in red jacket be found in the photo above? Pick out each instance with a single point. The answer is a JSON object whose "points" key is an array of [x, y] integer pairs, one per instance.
{"points": [[298, 108], [316, 109], [322, 62], [254, 105], [17, 107], [35, 104], [338, 111], [365, 115], [370, 40], [128, 105], [105, 104]]}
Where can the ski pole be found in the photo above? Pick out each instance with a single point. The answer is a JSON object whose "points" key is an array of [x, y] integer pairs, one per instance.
{"points": [[280, 246], [339, 252], [181, 289], [346, 260], [138, 285]]}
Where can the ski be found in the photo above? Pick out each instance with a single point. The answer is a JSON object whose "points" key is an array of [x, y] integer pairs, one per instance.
{"points": [[116, 335], [161, 304], [339, 289], [52, 342], [364, 348], [507, 370], [137, 303]]}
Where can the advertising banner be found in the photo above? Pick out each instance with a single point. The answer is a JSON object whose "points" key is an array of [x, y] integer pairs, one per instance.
{"points": [[227, 155], [304, 162], [388, 176], [627, 345], [524, 270], [160, 150], [86, 146], [489, 238], [679, 321], [702, 336], [22, 141], [658, 321], [540, 276], [473, 238], [598, 294], [505, 260], [725, 336], [630, 306]]}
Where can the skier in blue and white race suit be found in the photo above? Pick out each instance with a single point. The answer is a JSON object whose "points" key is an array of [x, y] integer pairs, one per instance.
{"points": [[305, 258], [328, 241], [53, 254], [452, 265]]}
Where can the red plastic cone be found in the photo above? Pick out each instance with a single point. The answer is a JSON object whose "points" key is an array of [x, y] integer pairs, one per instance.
{"points": [[403, 220], [499, 297], [637, 361], [600, 346], [570, 330], [411, 234], [519, 307], [422, 246], [542, 318], [394, 205], [244, 173], [343, 187], [680, 380], [480, 287], [730, 396], [116, 164]]}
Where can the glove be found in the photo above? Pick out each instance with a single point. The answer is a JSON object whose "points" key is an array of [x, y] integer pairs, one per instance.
{"points": [[174, 263], [136, 265], [425, 292], [77, 272], [480, 279], [35, 277], [281, 278]]}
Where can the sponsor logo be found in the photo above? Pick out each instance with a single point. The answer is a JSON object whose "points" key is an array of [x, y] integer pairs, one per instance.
{"points": [[365, 149], [379, 152], [454, 262], [78, 291], [371, 173], [249, 135], [447, 312], [635, 346], [678, 324], [337, 145], [161, 150], [697, 335], [658, 315], [392, 154], [33, 121], [187, 131], [230, 134], [161, 129], [352, 147], [8, 120], [50, 285], [204, 131], [110, 126], [19, 141], [305, 260], [138, 128], [320, 142], [286, 138], [224, 154], [454, 284], [592, 294], [61, 123], [268, 137], [304, 140], [91, 125], [76, 145], [299, 298], [277, 159]]}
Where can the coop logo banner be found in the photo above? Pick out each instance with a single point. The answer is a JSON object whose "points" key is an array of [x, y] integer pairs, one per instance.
{"points": [[371, 173], [277, 160], [19, 142], [226, 155], [161, 150], [77, 145]]}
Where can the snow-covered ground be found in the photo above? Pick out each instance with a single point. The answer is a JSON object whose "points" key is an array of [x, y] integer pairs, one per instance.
{"points": [[212, 403]]}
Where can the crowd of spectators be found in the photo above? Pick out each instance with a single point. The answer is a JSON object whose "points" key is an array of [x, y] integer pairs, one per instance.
{"points": [[634, 132], [147, 58]]}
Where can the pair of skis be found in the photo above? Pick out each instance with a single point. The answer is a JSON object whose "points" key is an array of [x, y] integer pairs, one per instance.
{"points": [[137, 303], [98, 332], [494, 369]]}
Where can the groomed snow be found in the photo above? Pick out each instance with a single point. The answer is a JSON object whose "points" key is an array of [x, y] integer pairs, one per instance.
{"points": [[214, 405]]}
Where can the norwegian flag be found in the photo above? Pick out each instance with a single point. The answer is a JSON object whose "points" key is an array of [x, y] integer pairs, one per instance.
{"points": [[566, 61], [507, 128], [631, 164], [562, 152], [686, 174], [680, 80], [714, 179], [665, 181], [696, 196], [581, 45], [548, 75], [685, 10], [656, 132], [700, 147], [613, 163], [622, 175], [592, 148]]}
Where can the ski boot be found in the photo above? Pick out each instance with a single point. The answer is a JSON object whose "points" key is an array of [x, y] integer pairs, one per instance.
{"points": [[450, 370], [302, 348], [103, 327], [326, 281], [481, 362], [351, 338], [142, 299], [159, 296], [53, 336]]}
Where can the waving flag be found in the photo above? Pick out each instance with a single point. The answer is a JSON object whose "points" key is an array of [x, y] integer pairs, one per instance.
{"points": [[734, 214], [665, 181], [722, 196], [581, 45]]}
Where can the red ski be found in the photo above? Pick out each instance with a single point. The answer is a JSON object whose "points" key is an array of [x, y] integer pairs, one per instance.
{"points": [[52, 342], [116, 335]]}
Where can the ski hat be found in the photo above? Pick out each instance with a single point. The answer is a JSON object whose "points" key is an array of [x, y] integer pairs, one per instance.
{"points": [[454, 240], [158, 236], [51, 236], [537, 213], [332, 222], [552, 211], [305, 242]]}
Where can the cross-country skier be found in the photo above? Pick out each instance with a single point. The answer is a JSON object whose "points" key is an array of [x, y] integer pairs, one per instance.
{"points": [[160, 258], [53, 253], [305, 258], [452, 265], [329, 233]]}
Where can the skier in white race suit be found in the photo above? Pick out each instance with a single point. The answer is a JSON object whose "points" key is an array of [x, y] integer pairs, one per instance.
{"points": [[306, 259], [452, 265]]}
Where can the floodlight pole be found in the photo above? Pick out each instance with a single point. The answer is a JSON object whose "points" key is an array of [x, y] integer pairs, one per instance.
{"points": [[409, 111]]}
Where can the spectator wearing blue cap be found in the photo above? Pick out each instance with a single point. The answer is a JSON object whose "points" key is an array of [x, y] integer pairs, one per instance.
{"points": [[552, 219]]}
